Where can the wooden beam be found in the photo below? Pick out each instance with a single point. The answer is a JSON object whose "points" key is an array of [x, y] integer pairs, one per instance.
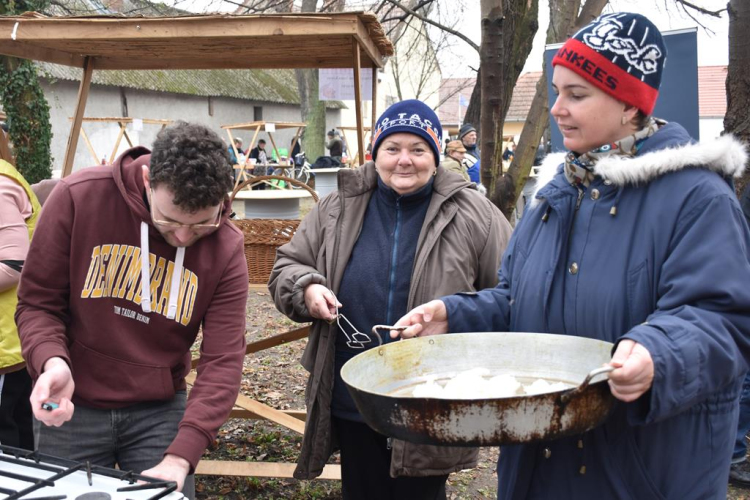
{"points": [[90, 146], [260, 469], [246, 414], [374, 102], [11, 48], [276, 340], [374, 57], [263, 411], [117, 142], [75, 127], [358, 96]]}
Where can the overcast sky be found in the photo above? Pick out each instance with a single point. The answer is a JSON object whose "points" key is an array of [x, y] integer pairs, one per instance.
{"points": [[712, 47]]}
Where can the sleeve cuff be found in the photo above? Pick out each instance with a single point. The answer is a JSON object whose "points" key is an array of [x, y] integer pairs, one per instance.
{"points": [[190, 443], [298, 292]]}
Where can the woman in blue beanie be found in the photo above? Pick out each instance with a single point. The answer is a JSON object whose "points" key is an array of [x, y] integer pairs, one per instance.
{"points": [[635, 238], [400, 230]]}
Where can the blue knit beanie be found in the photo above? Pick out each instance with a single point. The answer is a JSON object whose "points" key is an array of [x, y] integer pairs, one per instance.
{"points": [[623, 54], [411, 116]]}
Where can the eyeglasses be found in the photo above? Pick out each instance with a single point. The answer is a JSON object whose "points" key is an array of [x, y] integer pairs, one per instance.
{"points": [[179, 225]]}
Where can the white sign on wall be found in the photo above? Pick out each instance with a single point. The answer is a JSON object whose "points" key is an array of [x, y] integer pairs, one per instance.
{"points": [[337, 84]]}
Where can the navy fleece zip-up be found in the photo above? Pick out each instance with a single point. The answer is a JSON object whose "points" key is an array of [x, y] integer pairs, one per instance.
{"points": [[375, 285]]}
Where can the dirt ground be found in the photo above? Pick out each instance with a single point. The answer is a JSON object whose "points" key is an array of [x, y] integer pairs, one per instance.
{"points": [[276, 378]]}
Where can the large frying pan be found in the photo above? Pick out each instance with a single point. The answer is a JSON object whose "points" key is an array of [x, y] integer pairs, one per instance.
{"points": [[380, 381]]}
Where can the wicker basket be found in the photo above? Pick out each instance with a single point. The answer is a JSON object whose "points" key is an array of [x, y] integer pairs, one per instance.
{"points": [[264, 236]]}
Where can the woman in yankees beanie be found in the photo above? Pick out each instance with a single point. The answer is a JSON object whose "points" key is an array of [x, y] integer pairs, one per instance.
{"points": [[398, 230], [635, 238]]}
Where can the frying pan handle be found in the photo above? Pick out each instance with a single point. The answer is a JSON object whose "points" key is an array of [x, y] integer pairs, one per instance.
{"points": [[593, 373], [386, 327]]}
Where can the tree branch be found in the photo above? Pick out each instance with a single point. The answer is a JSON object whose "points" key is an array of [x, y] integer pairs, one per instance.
{"points": [[437, 25], [686, 4]]}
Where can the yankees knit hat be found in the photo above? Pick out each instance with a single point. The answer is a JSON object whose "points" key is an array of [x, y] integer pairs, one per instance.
{"points": [[412, 116], [623, 54]]}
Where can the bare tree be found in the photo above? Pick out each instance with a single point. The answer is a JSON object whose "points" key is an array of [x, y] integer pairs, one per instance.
{"points": [[737, 119], [565, 20]]}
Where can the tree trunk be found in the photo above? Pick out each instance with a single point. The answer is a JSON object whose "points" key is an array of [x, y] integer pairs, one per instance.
{"points": [[508, 29], [491, 62], [737, 119], [312, 109], [563, 23]]}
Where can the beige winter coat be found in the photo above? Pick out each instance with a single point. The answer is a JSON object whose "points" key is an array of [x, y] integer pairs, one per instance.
{"points": [[452, 165], [459, 249]]}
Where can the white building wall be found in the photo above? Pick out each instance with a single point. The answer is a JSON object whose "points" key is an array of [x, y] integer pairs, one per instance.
{"points": [[710, 128], [105, 101]]}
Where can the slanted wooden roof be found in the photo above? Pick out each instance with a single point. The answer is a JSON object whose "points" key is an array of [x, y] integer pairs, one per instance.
{"points": [[290, 40]]}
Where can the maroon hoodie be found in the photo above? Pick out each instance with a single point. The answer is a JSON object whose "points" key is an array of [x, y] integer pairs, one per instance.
{"points": [[80, 299]]}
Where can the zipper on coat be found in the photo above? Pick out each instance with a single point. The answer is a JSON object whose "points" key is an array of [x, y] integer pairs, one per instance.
{"points": [[394, 260], [581, 192], [389, 443]]}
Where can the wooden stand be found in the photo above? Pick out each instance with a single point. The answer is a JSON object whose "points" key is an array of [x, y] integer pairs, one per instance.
{"points": [[255, 127], [248, 408], [122, 122]]}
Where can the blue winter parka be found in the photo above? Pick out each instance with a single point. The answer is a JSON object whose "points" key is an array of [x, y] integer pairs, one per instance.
{"points": [[655, 250]]}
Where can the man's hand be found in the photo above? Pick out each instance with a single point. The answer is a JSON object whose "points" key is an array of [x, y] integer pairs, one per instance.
{"points": [[320, 302], [428, 319], [634, 373], [171, 468], [54, 385]]}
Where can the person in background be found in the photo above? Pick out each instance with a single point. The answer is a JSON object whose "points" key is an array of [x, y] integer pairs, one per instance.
{"points": [[399, 226], [296, 148], [467, 134], [620, 245], [111, 301], [19, 210], [258, 153], [739, 470], [233, 158], [510, 151], [335, 146], [453, 161]]}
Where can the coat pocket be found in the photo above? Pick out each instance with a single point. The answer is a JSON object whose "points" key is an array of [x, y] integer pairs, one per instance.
{"points": [[411, 459], [640, 293], [104, 380]]}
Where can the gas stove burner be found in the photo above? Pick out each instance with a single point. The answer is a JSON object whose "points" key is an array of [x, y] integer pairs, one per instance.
{"points": [[32, 475]]}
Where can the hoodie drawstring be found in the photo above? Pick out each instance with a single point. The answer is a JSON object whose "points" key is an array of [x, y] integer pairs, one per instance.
{"points": [[145, 275], [174, 286]]}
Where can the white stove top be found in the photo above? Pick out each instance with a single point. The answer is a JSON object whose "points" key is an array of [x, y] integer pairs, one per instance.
{"points": [[74, 486]]}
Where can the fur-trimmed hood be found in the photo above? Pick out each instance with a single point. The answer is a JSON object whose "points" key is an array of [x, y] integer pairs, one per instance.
{"points": [[669, 150]]}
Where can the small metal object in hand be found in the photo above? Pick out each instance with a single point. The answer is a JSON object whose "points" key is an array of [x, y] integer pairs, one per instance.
{"points": [[49, 406]]}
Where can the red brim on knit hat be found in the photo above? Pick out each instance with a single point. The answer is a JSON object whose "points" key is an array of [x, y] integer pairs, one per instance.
{"points": [[605, 75]]}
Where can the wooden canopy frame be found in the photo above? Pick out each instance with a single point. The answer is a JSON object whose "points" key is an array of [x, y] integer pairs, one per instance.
{"points": [[300, 40], [255, 127], [123, 123], [294, 40]]}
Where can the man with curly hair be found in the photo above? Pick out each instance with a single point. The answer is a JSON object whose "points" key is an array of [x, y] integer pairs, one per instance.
{"points": [[127, 263]]}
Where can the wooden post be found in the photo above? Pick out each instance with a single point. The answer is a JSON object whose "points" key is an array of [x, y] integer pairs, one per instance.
{"points": [[358, 97], [117, 142], [75, 127], [97, 160], [374, 99]]}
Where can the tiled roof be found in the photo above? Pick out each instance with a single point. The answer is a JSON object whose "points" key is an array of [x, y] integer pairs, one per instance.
{"points": [[712, 96], [272, 85], [523, 94], [520, 103], [712, 91]]}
